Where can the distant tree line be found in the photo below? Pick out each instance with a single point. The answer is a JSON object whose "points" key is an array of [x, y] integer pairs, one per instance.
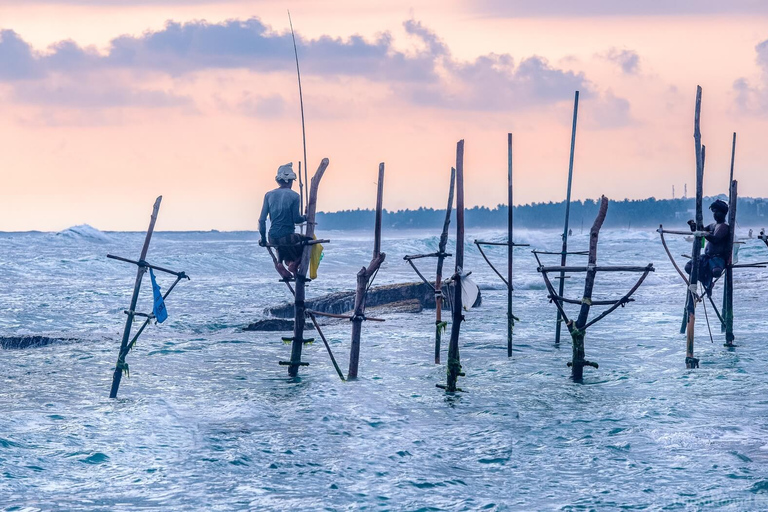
{"points": [[621, 214]]}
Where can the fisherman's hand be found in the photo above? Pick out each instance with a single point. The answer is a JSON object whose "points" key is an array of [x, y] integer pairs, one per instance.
{"points": [[262, 243], [692, 224]]}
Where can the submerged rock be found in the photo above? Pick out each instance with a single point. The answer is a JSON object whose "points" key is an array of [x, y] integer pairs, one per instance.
{"points": [[275, 325], [386, 299], [16, 342]]}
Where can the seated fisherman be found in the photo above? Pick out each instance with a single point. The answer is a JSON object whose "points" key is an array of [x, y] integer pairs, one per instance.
{"points": [[717, 253], [282, 206]]}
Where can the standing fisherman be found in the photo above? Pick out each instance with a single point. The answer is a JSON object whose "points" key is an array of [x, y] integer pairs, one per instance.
{"points": [[282, 206], [717, 253]]}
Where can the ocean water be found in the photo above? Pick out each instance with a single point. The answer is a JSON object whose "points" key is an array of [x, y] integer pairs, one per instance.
{"points": [[208, 420]]}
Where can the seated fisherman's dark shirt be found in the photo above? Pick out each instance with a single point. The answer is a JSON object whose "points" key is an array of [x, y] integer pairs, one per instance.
{"points": [[282, 206], [718, 241]]}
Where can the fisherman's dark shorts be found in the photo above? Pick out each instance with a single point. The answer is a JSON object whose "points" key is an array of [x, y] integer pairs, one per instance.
{"points": [[710, 268], [289, 247]]}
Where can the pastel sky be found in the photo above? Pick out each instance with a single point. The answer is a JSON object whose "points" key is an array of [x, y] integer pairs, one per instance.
{"points": [[108, 103]]}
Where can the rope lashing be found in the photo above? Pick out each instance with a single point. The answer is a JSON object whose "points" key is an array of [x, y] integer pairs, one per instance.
{"points": [[123, 366]]}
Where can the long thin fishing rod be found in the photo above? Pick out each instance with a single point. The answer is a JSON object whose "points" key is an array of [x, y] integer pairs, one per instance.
{"points": [[561, 287], [301, 102]]}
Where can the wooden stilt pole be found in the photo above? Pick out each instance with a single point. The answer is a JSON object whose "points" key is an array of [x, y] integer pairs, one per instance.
{"points": [[579, 328], [732, 228], [733, 199], [439, 324], [142, 269], [363, 277], [690, 360], [578, 331], [510, 247], [564, 254], [301, 277], [454, 359]]}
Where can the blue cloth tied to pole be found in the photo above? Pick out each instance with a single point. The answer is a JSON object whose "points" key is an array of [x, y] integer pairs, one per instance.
{"points": [[159, 307]]}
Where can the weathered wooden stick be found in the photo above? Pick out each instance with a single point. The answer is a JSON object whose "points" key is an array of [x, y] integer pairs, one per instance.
{"points": [[454, 358], [363, 276], [510, 247], [759, 264], [154, 267], [564, 253], [624, 300], [141, 270], [424, 279], [441, 255], [342, 317], [577, 253], [301, 275], [578, 330], [311, 315], [612, 268], [592, 302], [732, 229], [686, 233], [430, 255], [733, 199], [485, 257], [306, 242], [690, 360]]}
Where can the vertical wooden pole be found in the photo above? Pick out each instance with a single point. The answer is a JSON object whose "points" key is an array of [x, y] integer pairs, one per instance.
{"points": [[301, 276], [578, 331], [439, 324], [563, 257], [690, 360], [454, 359], [118, 375], [732, 228], [301, 197], [510, 247], [363, 276], [733, 199]]}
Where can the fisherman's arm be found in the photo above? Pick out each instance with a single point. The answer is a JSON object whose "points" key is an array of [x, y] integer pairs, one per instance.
{"points": [[263, 222], [298, 218], [719, 233]]}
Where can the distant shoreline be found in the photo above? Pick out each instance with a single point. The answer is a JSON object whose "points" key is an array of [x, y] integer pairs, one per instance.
{"points": [[625, 214]]}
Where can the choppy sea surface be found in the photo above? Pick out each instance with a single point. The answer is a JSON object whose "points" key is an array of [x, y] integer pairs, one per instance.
{"points": [[208, 420]]}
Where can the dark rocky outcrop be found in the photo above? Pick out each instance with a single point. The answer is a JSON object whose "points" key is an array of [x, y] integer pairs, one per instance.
{"points": [[395, 295], [275, 325], [17, 342]]}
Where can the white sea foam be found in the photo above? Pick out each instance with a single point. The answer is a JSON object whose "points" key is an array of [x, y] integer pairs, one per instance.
{"points": [[85, 232]]}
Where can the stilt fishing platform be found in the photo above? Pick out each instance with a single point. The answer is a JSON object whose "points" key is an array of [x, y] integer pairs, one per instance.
{"points": [[693, 294], [578, 328], [440, 296], [364, 280], [127, 342], [510, 245], [453, 367]]}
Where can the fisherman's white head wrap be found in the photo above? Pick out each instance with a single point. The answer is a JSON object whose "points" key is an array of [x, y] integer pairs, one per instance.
{"points": [[285, 172]]}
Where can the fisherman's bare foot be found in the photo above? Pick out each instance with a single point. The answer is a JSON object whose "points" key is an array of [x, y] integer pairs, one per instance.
{"points": [[293, 266]]}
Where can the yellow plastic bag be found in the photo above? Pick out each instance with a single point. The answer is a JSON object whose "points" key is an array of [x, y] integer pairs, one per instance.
{"points": [[314, 259]]}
